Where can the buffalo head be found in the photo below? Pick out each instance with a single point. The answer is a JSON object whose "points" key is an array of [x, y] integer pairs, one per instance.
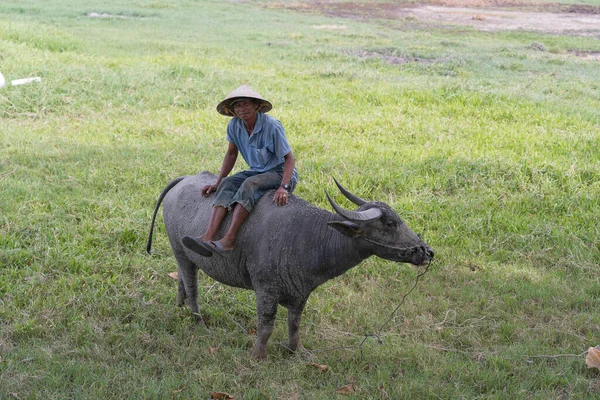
{"points": [[382, 229]]}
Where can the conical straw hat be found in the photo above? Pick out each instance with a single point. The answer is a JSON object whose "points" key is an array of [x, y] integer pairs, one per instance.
{"points": [[226, 108]]}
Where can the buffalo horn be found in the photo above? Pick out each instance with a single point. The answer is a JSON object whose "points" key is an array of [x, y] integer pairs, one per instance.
{"points": [[355, 216], [355, 199]]}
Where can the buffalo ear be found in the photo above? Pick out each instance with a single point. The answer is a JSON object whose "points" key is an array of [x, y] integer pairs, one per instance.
{"points": [[347, 228]]}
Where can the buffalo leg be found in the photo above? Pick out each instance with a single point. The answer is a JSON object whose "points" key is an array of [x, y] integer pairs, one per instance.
{"points": [[266, 309], [188, 273], [181, 296], [294, 317]]}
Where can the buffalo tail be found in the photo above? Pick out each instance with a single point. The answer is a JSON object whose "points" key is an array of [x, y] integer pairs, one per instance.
{"points": [[158, 202]]}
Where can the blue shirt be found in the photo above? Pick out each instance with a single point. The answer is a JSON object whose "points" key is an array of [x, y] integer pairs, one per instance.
{"points": [[265, 148]]}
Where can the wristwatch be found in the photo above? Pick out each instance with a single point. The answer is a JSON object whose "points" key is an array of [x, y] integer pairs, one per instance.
{"points": [[286, 186]]}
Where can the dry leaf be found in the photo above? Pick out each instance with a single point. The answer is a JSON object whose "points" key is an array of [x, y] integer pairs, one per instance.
{"points": [[593, 357], [173, 275], [221, 396], [346, 390], [251, 331], [322, 367], [179, 390], [212, 350]]}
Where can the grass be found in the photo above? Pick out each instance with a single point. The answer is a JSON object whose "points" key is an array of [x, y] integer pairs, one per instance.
{"points": [[484, 143]]}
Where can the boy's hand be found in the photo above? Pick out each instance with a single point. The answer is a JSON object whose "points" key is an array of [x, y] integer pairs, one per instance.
{"points": [[208, 189]]}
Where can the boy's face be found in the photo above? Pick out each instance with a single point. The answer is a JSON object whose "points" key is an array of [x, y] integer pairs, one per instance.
{"points": [[245, 108]]}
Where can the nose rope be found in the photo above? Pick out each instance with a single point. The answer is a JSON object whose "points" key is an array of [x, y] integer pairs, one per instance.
{"points": [[378, 334], [391, 247], [392, 314]]}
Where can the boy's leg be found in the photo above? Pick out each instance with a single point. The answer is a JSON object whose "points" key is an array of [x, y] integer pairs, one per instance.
{"points": [[251, 190], [222, 202], [217, 215], [254, 187], [239, 216]]}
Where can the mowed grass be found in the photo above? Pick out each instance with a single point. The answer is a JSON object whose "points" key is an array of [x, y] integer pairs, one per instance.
{"points": [[481, 141]]}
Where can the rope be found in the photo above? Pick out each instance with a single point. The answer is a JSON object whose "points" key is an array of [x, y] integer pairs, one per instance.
{"points": [[378, 334]]}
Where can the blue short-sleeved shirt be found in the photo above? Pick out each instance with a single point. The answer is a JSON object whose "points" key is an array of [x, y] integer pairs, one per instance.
{"points": [[265, 148]]}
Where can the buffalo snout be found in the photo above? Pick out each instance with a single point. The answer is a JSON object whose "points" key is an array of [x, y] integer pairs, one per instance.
{"points": [[422, 255], [429, 252]]}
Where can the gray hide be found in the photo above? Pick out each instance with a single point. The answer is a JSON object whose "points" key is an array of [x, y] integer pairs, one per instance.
{"points": [[282, 253]]}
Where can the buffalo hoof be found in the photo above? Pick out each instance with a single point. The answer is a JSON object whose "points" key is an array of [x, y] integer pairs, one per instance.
{"points": [[259, 354], [198, 324], [181, 297]]}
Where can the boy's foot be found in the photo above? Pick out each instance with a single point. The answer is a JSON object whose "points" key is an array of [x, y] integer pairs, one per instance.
{"points": [[217, 247], [197, 245]]}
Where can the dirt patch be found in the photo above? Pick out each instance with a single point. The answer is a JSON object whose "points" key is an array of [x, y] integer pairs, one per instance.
{"points": [[484, 15], [586, 55], [113, 16], [493, 20], [331, 27], [390, 57], [105, 15]]}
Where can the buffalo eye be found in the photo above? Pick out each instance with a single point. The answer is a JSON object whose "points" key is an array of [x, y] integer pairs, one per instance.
{"points": [[391, 224]]}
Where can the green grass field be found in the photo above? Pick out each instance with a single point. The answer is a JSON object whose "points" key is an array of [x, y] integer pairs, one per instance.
{"points": [[487, 143]]}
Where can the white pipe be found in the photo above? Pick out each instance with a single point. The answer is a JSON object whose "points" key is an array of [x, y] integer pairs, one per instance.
{"points": [[25, 80]]}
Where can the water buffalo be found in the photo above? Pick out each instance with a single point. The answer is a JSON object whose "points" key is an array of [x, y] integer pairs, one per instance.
{"points": [[282, 253]]}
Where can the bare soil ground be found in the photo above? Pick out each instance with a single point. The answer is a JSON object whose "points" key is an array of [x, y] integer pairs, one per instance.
{"points": [[493, 19], [485, 15]]}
